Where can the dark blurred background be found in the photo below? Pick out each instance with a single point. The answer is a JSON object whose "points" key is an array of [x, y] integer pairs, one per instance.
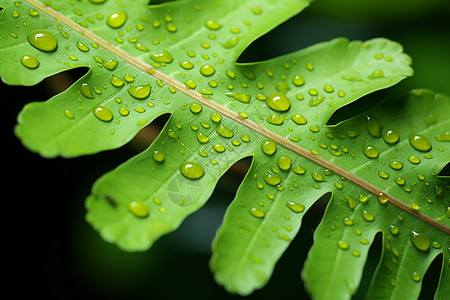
{"points": [[49, 251]]}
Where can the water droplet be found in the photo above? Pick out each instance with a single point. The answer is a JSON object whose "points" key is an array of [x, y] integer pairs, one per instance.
{"points": [[116, 81], [69, 114], [158, 156], [275, 119], [298, 119], [43, 40], [256, 212], [195, 107], [186, 65], [124, 111], [376, 74], [82, 47], [383, 174], [400, 181], [162, 57], [343, 245], [348, 222], [272, 179], [315, 101], [224, 131], [284, 162], [396, 165], [138, 208], [190, 83], [231, 42], [117, 19], [298, 80], [213, 25], [244, 98], [371, 152], [420, 142], [278, 102], [268, 147], [29, 61], [420, 241], [110, 64], [382, 198], [414, 159], [393, 229], [373, 126], [318, 177], [207, 70], [443, 137], [367, 216], [140, 91], [415, 276], [202, 138], [298, 170], [295, 207], [215, 117], [391, 136], [103, 113], [192, 170]]}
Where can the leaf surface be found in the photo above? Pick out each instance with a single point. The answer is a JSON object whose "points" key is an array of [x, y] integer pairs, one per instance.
{"points": [[180, 58]]}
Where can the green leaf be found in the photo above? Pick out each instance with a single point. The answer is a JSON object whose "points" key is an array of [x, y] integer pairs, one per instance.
{"points": [[180, 58]]}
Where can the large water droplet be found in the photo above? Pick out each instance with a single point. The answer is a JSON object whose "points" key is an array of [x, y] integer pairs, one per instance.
{"points": [[278, 102], [162, 57], [192, 170], [367, 216], [420, 142], [295, 207], [213, 25], [391, 136], [158, 156], [284, 162], [298, 119], [117, 19], [43, 40], [207, 70], [420, 241], [272, 179], [138, 208]]}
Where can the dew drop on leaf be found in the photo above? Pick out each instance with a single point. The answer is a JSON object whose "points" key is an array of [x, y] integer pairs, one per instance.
{"points": [[186, 65], [43, 40], [420, 142], [376, 74], [391, 136], [268, 147], [116, 81], [192, 170], [224, 131], [139, 209], [244, 98], [373, 126], [162, 57], [298, 170], [275, 119], [396, 165], [415, 276], [295, 207], [382, 198], [29, 61], [318, 177], [393, 229], [86, 90], [207, 70], [140, 91], [278, 102], [298, 119], [414, 159], [231, 42], [367, 216], [219, 148], [202, 138], [443, 137], [110, 64], [195, 107], [212, 25], [298, 80], [158, 156], [272, 179], [124, 111], [117, 19], [343, 245], [284, 162], [420, 241], [256, 212], [371, 152], [103, 113], [82, 47]]}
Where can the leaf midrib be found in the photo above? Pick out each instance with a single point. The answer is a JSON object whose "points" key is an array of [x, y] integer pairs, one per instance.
{"points": [[235, 116]]}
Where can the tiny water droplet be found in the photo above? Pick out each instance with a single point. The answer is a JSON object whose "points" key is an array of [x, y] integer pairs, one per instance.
{"points": [[256, 212], [213, 25], [391, 136], [343, 245]]}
